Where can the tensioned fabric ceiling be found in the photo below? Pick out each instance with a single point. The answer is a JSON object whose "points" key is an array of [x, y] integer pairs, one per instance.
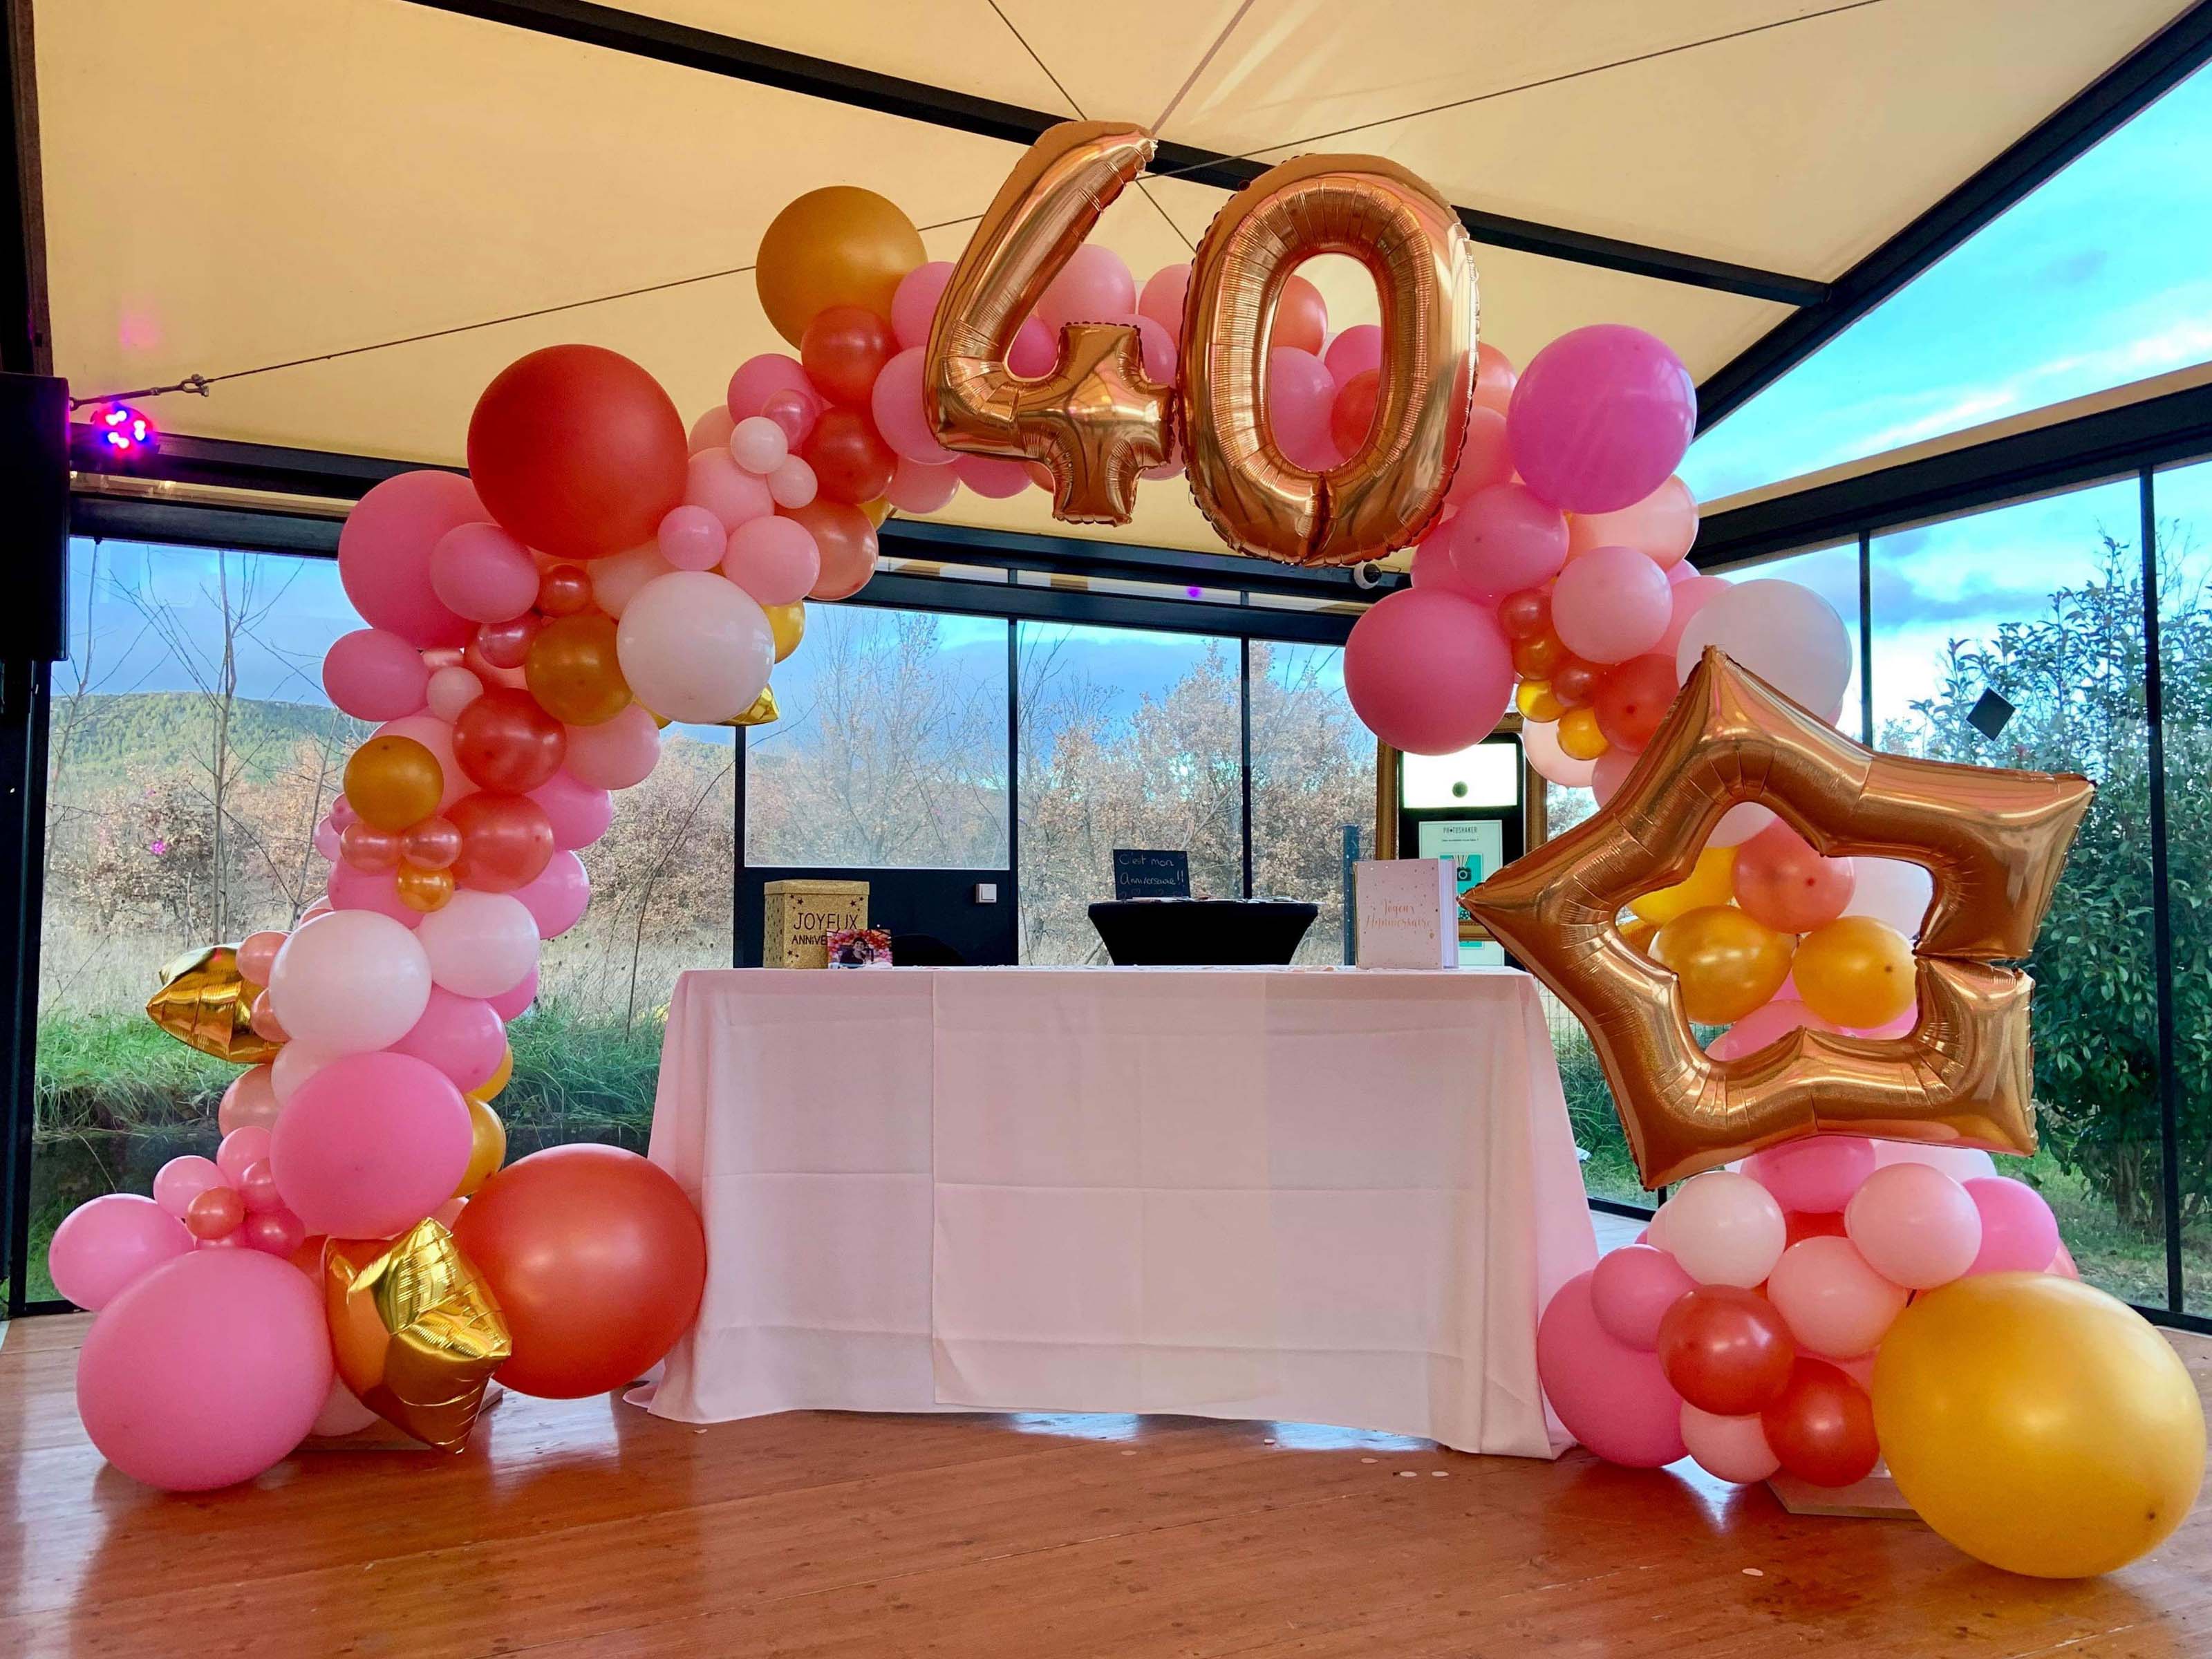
{"points": [[235, 184]]}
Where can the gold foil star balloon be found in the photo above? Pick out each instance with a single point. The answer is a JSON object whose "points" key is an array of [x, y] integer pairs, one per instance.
{"points": [[1995, 842], [416, 1329], [205, 1004]]}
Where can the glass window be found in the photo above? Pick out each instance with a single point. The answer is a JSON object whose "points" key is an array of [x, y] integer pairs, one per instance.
{"points": [[2102, 276], [1129, 738], [1313, 775], [893, 747], [2042, 603]]}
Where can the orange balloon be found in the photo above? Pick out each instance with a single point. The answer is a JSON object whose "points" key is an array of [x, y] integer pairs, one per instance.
{"points": [[1537, 701], [1726, 964], [839, 247], [847, 542], [1301, 317], [1536, 655], [1579, 737], [1856, 971], [597, 1260], [423, 889], [572, 670], [393, 782], [487, 1147]]}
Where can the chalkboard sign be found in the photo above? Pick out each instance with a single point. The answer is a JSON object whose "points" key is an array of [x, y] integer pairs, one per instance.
{"points": [[1142, 874]]}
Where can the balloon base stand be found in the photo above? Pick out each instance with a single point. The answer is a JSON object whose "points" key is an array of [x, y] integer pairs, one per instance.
{"points": [[1874, 1498]]}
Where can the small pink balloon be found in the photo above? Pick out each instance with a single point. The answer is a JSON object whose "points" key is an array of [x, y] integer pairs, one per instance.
{"points": [[1035, 351], [242, 1149], [775, 559], [1157, 346], [369, 1145], [1505, 539], [691, 538], [793, 413], [758, 445], [1609, 772], [258, 1187], [616, 753], [274, 1232], [1611, 1397], [917, 489], [1835, 1304], [1661, 526], [256, 954], [2019, 1233], [480, 572], [384, 554], [251, 1098], [579, 813], [181, 1180], [2062, 1265], [1428, 671], [1761, 1026], [1729, 1448], [108, 1244], [215, 1213], [913, 307], [1610, 604], [732, 495], [462, 1036], [370, 890], [1901, 1026], [1630, 1289], [1433, 564], [1356, 350], [1162, 299], [1915, 1226], [1495, 378], [1600, 417], [556, 897], [1093, 287], [793, 484], [342, 814], [1815, 1175], [902, 411], [758, 379], [711, 430], [207, 1371], [1300, 395], [512, 1004], [374, 675], [1484, 461], [989, 477]]}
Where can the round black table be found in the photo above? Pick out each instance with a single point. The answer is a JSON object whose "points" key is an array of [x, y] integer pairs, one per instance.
{"points": [[1201, 932]]}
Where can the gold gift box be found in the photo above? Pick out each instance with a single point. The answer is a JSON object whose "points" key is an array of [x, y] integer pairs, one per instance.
{"points": [[802, 914]]}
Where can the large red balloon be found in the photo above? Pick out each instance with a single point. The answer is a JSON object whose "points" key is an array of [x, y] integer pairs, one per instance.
{"points": [[1726, 1351], [1821, 1426], [505, 742], [598, 1259], [851, 464], [577, 450], [1632, 698], [506, 841]]}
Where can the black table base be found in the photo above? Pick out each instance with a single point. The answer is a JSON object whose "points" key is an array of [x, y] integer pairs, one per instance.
{"points": [[1202, 933]]}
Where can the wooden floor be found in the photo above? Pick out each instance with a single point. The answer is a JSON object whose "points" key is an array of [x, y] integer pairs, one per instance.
{"points": [[590, 1528]]}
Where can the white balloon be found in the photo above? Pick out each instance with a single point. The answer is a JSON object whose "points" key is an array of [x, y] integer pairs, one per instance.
{"points": [[617, 578], [1892, 891], [349, 982], [1724, 1229], [294, 1064], [450, 690], [343, 1413], [694, 646], [792, 484], [1739, 825], [1781, 631], [478, 944], [757, 444], [1540, 742]]}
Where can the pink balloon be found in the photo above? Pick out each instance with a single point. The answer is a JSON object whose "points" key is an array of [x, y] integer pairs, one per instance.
{"points": [[1600, 417], [991, 478], [1163, 297], [710, 431], [480, 945], [1093, 287], [793, 484], [1781, 882], [276, 1232], [775, 559], [1834, 1303], [1729, 1448], [462, 1036], [793, 413], [1630, 1289], [370, 890], [758, 445], [181, 1180], [1610, 771], [691, 538], [1663, 525], [256, 955], [913, 307], [1156, 344], [2019, 1233], [580, 814], [1433, 564], [1540, 743], [207, 1372], [1901, 1026], [1485, 460], [758, 379], [108, 1244], [1356, 350], [918, 489], [513, 1004], [242, 1149], [1915, 1226], [1505, 540], [1611, 1397], [1300, 395], [257, 1185], [1815, 1175], [1724, 1229], [1754, 1031], [1428, 671], [555, 899], [480, 572], [251, 1098], [2062, 1265], [902, 411], [373, 674], [732, 495], [616, 753], [1035, 351], [1610, 604], [384, 554], [371, 1144]]}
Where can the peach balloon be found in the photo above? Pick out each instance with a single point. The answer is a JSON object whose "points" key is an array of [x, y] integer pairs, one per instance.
{"points": [[1781, 881], [1662, 526]]}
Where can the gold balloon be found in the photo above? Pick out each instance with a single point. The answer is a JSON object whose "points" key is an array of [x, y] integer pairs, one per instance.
{"points": [[423, 889], [393, 782], [876, 511], [416, 1330], [1385, 495], [205, 1005], [487, 1147], [1994, 841], [1856, 971], [573, 671], [1725, 962], [1096, 420], [762, 711], [2038, 1425], [839, 247], [489, 1088], [788, 623], [1711, 882]]}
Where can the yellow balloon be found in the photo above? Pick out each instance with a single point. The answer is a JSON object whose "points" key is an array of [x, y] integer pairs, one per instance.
{"points": [[487, 1147], [876, 511], [1579, 737], [2037, 1424], [788, 623], [839, 247], [489, 1090], [1713, 882], [1537, 701], [1856, 971], [1727, 963]]}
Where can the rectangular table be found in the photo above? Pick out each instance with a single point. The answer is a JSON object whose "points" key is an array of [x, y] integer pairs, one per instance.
{"points": [[1310, 1195]]}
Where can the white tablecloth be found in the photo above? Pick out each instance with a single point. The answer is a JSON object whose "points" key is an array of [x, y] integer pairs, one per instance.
{"points": [[1322, 1195]]}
